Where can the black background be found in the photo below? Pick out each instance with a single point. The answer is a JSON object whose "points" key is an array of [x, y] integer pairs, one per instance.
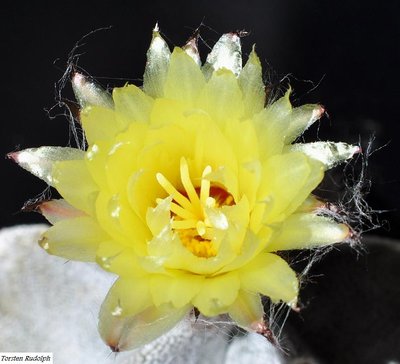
{"points": [[348, 49]]}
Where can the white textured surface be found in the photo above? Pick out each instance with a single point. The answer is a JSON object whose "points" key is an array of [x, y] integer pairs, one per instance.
{"points": [[48, 304]]}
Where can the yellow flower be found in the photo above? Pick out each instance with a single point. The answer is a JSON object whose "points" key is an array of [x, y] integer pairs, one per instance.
{"points": [[188, 187]]}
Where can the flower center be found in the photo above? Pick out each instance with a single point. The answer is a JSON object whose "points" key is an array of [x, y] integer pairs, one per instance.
{"points": [[196, 211]]}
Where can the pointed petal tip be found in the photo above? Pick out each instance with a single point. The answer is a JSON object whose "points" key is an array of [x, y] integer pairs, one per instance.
{"points": [[40, 161], [78, 79], [318, 112], [13, 156], [226, 53], [192, 42], [295, 307], [347, 232], [43, 243], [156, 33], [88, 93], [35, 206], [114, 348], [56, 210], [191, 47], [357, 150], [233, 36]]}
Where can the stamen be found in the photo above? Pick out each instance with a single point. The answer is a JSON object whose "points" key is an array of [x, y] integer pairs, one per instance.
{"points": [[172, 191], [184, 224], [188, 185], [181, 212], [195, 211], [205, 185]]}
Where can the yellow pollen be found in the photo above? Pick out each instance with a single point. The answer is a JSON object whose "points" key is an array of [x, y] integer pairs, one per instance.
{"points": [[189, 219], [198, 246]]}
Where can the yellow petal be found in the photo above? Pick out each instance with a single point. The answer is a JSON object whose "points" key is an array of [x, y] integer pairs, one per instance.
{"points": [[222, 97], [271, 125], [101, 123], [165, 147], [304, 231], [184, 79], [76, 239], [177, 289], [128, 319], [252, 245], [243, 139], [74, 182], [206, 135], [128, 296], [122, 158], [217, 294], [167, 111], [131, 102], [310, 204], [96, 157], [271, 276], [119, 259], [120, 222], [252, 85], [249, 180], [286, 182]]}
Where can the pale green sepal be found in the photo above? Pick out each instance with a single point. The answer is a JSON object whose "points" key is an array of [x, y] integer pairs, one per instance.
{"points": [[271, 276], [132, 332], [305, 231], [75, 184], [122, 331], [57, 210], [271, 125], [252, 85], [226, 53], [184, 80], [132, 103], [329, 153], [301, 118], [77, 239], [157, 64], [88, 93], [40, 161], [247, 311], [192, 50]]}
